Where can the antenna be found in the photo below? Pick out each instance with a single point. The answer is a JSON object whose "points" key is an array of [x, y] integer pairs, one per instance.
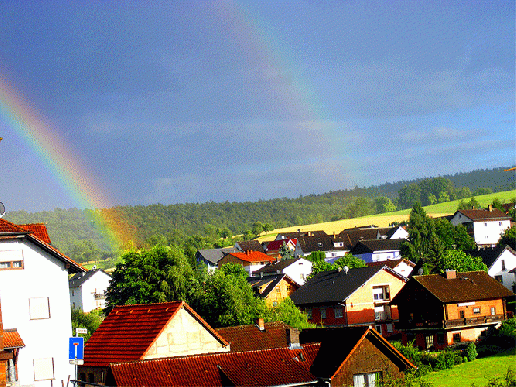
{"points": [[2, 207]]}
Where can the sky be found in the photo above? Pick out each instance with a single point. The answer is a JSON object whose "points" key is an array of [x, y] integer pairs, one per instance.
{"points": [[106, 103]]}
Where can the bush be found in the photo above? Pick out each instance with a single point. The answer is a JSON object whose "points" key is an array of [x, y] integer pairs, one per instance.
{"points": [[500, 339], [471, 351]]}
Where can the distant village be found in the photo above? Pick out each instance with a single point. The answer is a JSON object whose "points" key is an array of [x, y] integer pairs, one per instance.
{"points": [[356, 312]]}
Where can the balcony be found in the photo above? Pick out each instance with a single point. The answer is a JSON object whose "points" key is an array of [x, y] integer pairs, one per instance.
{"points": [[443, 324], [100, 296]]}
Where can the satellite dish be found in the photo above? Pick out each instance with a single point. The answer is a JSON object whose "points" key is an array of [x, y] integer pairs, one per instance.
{"points": [[2, 209]]}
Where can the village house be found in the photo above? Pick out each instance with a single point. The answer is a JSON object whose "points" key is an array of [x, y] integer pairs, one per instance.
{"points": [[36, 316], [88, 290], [251, 245], [297, 269], [147, 331], [401, 266], [249, 260], [263, 335], [354, 356], [484, 225], [500, 262], [440, 310], [374, 250], [211, 257], [273, 248], [273, 288], [350, 297]]}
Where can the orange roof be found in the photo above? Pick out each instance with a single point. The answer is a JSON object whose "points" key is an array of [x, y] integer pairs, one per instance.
{"points": [[250, 337], [12, 339], [129, 330], [270, 367], [253, 256], [37, 233]]}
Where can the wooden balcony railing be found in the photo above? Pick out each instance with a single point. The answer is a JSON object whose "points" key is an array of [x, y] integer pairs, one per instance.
{"points": [[460, 322]]}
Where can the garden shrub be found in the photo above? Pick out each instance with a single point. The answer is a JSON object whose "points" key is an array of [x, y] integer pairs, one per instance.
{"points": [[471, 351]]}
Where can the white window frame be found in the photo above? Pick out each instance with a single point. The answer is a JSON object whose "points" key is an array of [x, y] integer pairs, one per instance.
{"points": [[39, 308]]}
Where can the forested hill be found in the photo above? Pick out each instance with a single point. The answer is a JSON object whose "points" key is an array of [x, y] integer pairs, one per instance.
{"points": [[72, 231]]}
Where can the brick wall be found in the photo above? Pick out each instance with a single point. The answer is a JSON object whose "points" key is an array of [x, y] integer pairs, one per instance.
{"points": [[454, 310]]}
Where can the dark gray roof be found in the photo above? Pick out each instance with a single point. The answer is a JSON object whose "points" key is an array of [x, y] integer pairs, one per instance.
{"points": [[252, 245], [333, 286], [489, 255], [214, 255], [372, 245], [310, 244], [79, 278]]}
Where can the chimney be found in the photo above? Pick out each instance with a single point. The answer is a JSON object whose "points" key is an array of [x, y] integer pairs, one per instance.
{"points": [[450, 274], [293, 338], [490, 208], [260, 324]]}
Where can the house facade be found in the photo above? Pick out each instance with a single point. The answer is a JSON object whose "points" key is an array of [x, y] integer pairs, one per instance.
{"points": [[297, 269], [88, 290], [375, 250], [500, 262], [485, 225], [146, 331], [40, 313], [441, 310], [354, 297], [273, 289]]}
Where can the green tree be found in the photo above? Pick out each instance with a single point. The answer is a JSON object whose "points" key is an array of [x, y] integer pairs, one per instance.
{"points": [[91, 321], [508, 238], [285, 252], [459, 261], [409, 195], [228, 299], [316, 256], [423, 243], [257, 228], [444, 197], [149, 276], [453, 237], [350, 261], [384, 204], [289, 313]]}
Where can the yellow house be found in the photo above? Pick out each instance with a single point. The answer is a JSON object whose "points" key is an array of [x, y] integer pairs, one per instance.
{"points": [[273, 288]]}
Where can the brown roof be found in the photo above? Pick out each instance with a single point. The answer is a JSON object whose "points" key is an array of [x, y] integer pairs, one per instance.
{"points": [[250, 338], [129, 330], [252, 245], [270, 367], [12, 339], [468, 286], [482, 214], [392, 263]]}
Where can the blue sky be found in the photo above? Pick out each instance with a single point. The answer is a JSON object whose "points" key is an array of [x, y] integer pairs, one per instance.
{"points": [[194, 101]]}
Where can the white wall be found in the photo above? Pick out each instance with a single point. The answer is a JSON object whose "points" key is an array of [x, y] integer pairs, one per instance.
{"points": [[488, 233], [497, 270], [42, 276], [84, 296], [299, 270]]}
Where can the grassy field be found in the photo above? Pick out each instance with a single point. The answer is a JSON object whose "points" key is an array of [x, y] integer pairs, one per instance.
{"points": [[384, 220], [478, 371]]}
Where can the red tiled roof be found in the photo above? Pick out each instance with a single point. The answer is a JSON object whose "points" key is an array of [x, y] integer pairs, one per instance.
{"points": [[250, 338], [35, 233], [278, 243], [253, 256], [269, 367], [129, 330], [39, 230], [12, 339]]}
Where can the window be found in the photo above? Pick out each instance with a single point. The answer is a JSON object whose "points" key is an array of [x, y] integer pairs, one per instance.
{"points": [[378, 328], [429, 341], [44, 369], [382, 312], [308, 313], [456, 337], [381, 293], [499, 278], [323, 312], [389, 328], [11, 260], [499, 223], [493, 311], [476, 310], [39, 308], [367, 380], [338, 312], [503, 265]]}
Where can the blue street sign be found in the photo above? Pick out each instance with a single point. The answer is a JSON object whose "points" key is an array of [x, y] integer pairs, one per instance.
{"points": [[76, 348]]}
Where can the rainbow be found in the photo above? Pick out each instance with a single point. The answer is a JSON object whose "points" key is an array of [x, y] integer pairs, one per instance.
{"points": [[62, 163]]}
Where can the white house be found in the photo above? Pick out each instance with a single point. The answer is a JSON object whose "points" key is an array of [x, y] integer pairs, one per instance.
{"points": [[500, 262], [298, 269], [374, 250], [36, 302], [485, 225], [88, 290]]}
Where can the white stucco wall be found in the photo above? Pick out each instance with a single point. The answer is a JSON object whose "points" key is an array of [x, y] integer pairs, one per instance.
{"points": [[84, 295], [488, 233], [299, 270], [509, 259], [42, 276]]}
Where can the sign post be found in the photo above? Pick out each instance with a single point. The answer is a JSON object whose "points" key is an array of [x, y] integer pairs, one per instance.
{"points": [[76, 351]]}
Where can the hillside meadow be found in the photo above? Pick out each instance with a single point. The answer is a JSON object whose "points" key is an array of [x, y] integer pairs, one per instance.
{"points": [[384, 220]]}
